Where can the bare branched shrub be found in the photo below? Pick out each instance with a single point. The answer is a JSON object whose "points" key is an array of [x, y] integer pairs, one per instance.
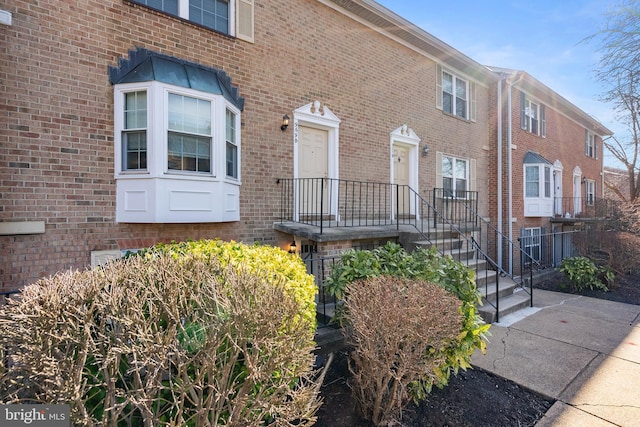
{"points": [[400, 330], [173, 341]]}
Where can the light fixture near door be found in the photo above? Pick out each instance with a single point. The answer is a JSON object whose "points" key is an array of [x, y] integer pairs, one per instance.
{"points": [[285, 123]]}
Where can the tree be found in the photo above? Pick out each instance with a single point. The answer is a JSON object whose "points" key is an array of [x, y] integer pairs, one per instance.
{"points": [[619, 70]]}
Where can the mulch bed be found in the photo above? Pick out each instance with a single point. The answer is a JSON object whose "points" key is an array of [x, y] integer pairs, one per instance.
{"points": [[473, 398]]}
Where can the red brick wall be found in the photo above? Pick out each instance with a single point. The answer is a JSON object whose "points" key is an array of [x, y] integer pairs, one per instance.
{"points": [[56, 116]]}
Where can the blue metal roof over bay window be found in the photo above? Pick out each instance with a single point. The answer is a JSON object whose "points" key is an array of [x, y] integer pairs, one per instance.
{"points": [[144, 65], [532, 158]]}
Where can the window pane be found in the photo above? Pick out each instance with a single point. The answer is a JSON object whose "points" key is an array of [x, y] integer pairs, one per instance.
{"points": [[532, 178], [461, 169], [134, 150], [232, 160], [461, 108], [231, 126], [461, 89], [135, 110], [447, 103], [168, 6], [213, 14], [189, 153], [447, 166], [189, 115], [547, 182], [447, 83]]}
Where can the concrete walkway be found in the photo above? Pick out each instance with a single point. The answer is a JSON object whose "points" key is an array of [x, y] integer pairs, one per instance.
{"points": [[583, 352]]}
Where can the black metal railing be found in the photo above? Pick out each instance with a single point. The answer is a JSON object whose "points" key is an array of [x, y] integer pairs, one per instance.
{"points": [[326, 202], [585, 207], [456, 229], [549, 249]]}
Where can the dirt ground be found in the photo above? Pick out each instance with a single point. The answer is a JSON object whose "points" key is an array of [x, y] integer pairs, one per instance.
{"points": [[474, 398]]}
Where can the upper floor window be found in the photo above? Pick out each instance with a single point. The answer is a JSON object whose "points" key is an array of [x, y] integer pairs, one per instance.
{"points": [[590, 145], [455, 176], [532, 116], [455, 95], [233, 17]]}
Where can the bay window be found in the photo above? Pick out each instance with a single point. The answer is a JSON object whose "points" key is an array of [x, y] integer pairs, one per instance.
{"points": [[177, 141], [538, 197]]}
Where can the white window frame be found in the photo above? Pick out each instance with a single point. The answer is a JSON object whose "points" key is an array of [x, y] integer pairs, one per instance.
{"points": [[454, 177], [531, 240], [590, 145], [589, 192], [533, 112], [456, 84], [457, 81], [240, 18], [157, 181]]}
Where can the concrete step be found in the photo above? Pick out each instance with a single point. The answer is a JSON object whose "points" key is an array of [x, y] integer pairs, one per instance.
{"points": [[486, 282], [508, 305]]}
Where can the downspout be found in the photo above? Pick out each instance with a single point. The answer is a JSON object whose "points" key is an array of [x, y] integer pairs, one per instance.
{"points": [[510, 168], [500, 170]]}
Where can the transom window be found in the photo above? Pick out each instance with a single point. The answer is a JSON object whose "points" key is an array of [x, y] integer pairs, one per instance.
{"points": [[532, 116], [455, 176]]}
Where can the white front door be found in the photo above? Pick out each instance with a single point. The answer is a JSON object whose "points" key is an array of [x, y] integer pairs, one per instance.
{"points": [[313, 162], [401, 178], [557, 193]]}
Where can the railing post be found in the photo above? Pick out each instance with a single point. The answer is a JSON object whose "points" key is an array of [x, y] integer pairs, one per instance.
{"points": [[321, 203]]}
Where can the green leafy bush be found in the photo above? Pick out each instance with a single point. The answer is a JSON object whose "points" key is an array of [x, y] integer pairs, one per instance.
{"points": [[401, 330], [167, 339], [428, 266], [583, 274]]}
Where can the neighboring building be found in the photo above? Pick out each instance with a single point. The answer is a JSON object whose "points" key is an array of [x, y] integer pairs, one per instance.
{"points": [[551, 164], [618, 179], [130, 122]]}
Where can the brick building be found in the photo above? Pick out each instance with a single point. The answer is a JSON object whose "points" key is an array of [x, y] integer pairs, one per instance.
{"points": [[552, 174], [129, 122]]}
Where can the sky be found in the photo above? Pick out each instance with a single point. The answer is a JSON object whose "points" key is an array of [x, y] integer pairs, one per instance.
{"points": [[545, 38]]}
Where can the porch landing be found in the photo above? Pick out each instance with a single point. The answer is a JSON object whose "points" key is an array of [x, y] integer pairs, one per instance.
{"points": [[331, 233]]}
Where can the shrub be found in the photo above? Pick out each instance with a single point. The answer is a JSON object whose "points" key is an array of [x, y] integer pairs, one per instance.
{"points": [[164, 340], [583, 274], [401, 330], [428, 266]]}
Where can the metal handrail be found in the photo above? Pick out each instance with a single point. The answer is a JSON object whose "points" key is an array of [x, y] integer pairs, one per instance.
{"points": [[348, 203]]}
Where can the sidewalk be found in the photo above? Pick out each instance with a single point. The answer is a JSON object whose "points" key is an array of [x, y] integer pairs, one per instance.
{"points": [[583, 352]]}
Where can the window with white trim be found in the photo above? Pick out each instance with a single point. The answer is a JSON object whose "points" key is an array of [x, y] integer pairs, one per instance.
{"points": [[538, 197], [455, 176], [537, 181], [185, 134], [590, 145], [531, 242], [532, 116], [186, 143], [232, 17], [455, 95], [590, 192]]}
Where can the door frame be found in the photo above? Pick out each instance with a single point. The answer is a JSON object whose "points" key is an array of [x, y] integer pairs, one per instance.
{"points": [[406, 137], [318, 116]]}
